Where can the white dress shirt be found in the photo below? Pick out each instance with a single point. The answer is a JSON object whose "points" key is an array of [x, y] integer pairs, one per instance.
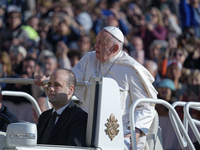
{"points": [[59, 111]]}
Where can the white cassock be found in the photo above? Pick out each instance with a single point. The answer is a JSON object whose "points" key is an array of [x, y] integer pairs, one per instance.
{"points": [[134, 82]]}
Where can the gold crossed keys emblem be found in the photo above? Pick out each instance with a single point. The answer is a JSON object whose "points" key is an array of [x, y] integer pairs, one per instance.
{"points": [[112, 126]]}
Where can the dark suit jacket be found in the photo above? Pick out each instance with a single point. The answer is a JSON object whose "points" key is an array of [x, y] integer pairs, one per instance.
{"points": [[6, 117], [70, 128]]}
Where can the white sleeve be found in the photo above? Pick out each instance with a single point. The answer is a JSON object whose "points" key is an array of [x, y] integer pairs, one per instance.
{"points": [[144, 113], [79, 69]]}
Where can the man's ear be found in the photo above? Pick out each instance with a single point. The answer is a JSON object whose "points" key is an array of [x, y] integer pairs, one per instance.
{"points": [[115, 48], [71, 90]]}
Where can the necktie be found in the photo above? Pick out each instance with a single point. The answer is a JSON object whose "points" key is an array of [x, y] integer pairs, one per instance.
{"points": [[49, 128]]}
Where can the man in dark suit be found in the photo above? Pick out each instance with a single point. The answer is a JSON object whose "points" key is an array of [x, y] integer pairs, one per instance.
{"points": [[69, 124]]}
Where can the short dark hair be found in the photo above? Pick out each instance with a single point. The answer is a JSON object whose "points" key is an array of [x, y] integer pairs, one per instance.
{"points": [[74, 53], [71, 78], [28, 58]]}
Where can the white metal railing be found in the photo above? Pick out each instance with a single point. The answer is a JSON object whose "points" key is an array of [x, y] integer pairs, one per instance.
{"points": [[171, 109], [187, 119], [181, 139], [25, 95], [192, 122]]}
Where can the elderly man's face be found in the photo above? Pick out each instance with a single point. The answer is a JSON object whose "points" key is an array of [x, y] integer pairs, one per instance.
{"points": [[104, 46]]}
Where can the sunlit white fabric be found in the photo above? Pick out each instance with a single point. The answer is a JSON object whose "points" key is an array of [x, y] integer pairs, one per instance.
{"points": [[133, 79]]}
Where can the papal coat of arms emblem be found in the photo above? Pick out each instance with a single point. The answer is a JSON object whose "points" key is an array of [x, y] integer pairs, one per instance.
{"points": [[112, 126]]}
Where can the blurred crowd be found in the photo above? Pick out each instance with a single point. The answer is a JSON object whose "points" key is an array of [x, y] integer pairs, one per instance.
{"points": [[38, 36]]}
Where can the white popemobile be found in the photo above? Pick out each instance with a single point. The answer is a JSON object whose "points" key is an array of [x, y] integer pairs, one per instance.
{"points": [[104, 127]]}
